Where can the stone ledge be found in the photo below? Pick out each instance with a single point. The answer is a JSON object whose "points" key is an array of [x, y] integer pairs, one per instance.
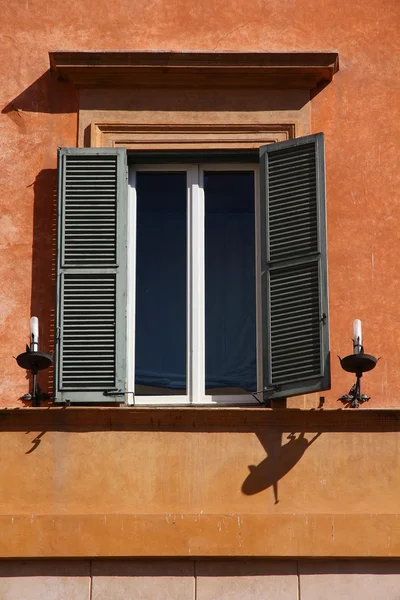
{"points": [[200, 535], [199, 418]]}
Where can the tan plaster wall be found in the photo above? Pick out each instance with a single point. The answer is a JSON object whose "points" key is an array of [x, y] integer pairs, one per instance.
{"points": [[175, 482], [193, 107]]}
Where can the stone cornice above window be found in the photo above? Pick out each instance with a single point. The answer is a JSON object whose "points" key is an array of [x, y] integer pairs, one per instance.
{"points": [[279, 70]]}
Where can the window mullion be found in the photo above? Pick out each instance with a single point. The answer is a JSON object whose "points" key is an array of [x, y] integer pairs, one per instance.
{"points": [[196, 292], [131, 286]]}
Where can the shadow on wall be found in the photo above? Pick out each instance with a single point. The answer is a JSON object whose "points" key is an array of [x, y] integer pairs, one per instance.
{"points": [[44, 265], [45, 95], [48, 94], [134, 569], [280, 460], [139, 98]]}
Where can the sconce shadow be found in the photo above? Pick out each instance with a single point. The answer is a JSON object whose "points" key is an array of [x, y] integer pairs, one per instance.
{"points": [[279, 461], [36, 441]]}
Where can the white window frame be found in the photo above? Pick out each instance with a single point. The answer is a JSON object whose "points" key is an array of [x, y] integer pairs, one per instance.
{"points": [[195, 295]]}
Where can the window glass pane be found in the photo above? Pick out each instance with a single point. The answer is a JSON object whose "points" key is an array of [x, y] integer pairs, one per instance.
{"points": [[230, 282], [160, 356]]}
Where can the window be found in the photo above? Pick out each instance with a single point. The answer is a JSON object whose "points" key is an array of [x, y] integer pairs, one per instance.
{"points": [[193, 232], [192, 283]]}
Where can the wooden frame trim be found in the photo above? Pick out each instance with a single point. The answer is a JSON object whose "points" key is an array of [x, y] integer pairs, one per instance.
{"points": [[196, 392], [279, 70]]}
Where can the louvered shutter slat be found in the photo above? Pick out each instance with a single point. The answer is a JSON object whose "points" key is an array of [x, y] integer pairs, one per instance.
{"points": [[92, 243], [294, 284], [90, 239], [78, 307]]}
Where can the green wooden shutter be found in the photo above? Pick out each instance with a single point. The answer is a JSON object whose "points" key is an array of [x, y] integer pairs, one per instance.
{"points": [[294, 268], [91, 275]]}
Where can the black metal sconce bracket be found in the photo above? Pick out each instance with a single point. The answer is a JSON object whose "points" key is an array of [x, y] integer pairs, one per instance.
{"points": [[357, 364], [34, 362]]}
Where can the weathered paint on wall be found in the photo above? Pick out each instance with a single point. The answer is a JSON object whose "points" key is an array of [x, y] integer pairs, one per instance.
{"points": [[358, 112], [198, 482], [117, 486]]}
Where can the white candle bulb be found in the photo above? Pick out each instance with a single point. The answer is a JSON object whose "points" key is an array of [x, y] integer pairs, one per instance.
{"points": [[34, 334], [357, 336]]}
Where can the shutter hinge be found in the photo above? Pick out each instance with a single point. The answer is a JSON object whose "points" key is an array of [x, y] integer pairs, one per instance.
{"points": [[323, 318], [266, 393], [272, 388], [58, 334]]}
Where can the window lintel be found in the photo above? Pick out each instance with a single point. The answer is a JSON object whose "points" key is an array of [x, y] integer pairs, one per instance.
{"points": [[279, 70]]}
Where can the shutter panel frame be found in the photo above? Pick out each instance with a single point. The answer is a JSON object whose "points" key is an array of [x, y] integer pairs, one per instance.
{"points": [[289, 364], [107, 297]]}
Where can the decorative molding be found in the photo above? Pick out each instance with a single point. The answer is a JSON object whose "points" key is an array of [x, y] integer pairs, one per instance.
{"points": [[279, 70], [188, 137]]}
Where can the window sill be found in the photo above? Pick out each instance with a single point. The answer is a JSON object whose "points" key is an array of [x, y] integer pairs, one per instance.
{"points": [[199, 418]]}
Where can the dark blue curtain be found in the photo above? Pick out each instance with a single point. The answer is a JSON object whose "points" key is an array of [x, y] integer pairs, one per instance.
{"points": [[161, 251], [230, 280], [161, 281]]}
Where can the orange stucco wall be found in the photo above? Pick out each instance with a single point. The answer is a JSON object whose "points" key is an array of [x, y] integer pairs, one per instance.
{"points": [[358, 112], [84, 486]]}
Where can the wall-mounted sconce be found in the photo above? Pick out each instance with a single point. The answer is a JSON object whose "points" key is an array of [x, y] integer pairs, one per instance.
{"points": [[357, 363], [34, 361]]}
